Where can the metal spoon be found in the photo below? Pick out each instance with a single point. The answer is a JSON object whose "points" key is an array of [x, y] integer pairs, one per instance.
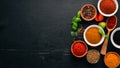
{"points": [[105, 44]]}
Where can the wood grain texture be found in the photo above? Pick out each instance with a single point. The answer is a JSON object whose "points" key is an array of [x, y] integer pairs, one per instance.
{"points": [[36, 34]]}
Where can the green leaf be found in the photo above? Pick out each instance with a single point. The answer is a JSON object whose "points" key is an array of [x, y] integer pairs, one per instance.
{"points": [[101, 32], [72, 33], [75, 24], [73, 19], [76, 34], [106, 36], [77, 19], [102, 24], [78, 30], [78, 14], [74, 28]]}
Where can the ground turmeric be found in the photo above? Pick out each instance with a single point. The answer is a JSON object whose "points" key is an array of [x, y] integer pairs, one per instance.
{"points": [[93, 36], [112, 60]]}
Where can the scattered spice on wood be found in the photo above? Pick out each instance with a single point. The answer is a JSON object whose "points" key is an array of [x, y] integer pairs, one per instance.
{"points": [[79, 48], [111, 22], [93, 56], [112, 59], [93, 36], [107, 6]]}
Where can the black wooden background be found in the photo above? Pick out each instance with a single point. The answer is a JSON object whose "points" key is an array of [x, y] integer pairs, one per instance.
{"points": [[36, 34]]}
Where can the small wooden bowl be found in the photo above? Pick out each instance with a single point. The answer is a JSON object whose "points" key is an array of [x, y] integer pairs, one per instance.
{"points": [[75, 54], [93, 56], [113, 61], [88, 13]]}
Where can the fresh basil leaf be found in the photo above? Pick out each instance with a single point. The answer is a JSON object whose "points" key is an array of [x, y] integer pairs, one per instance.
{"points": [[101, 32], [78, 14]]}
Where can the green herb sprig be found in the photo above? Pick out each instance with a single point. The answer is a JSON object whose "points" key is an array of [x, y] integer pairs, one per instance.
{"points": [[75, 24]]}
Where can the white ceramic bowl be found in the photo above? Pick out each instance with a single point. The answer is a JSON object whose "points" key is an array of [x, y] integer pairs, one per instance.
{"points": [[111, 38], [100, 42], [108, 15]]}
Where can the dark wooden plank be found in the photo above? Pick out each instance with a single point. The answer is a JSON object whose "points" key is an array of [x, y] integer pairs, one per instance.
{"points": [[36, 34]]}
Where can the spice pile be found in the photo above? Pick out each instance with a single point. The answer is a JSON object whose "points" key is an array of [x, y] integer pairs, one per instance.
{"points": [[93, 36], [79, 48], [111, 22], [93, 56], [107, 6], [112, 59]]}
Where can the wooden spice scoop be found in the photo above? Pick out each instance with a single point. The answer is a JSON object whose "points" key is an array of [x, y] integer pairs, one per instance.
{"points": [[105, 44]]}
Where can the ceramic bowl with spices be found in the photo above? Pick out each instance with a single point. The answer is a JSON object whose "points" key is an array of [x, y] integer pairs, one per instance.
{"points": [[88, 12], [92, 36], [112, 60], [107, 7], [115, 36], [79, 49]]}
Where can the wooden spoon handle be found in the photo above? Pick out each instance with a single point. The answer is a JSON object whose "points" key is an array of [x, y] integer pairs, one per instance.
{"points": [[104, 47]]}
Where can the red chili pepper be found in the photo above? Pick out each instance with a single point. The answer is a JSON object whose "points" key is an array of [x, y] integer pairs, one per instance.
{"points": [[99, 17]]}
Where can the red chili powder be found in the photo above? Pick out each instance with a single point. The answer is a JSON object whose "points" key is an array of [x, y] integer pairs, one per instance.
{"points": [[107, 6], [111, 22], [79, 48]]}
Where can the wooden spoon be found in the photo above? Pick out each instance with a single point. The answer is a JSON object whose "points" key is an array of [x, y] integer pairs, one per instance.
{"points": [[105, 44]]}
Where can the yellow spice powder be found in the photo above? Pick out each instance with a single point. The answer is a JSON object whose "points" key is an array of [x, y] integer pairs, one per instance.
{"points": [[93, 36], [112, 60]]}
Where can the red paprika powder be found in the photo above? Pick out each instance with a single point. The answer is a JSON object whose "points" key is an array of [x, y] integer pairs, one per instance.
{"points": [[107, 6], [111, 22], [79, 48]]}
